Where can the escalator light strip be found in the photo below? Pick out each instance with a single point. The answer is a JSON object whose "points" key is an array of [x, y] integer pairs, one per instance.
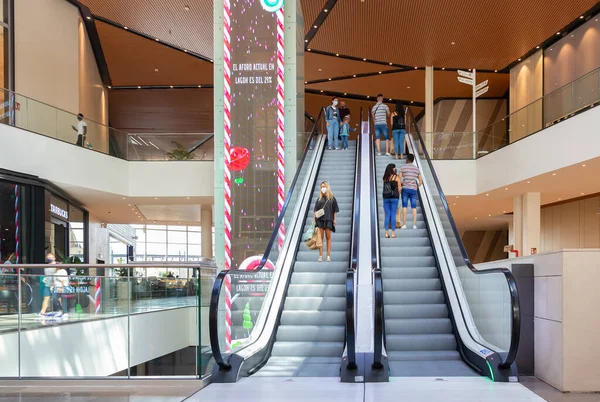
{"points": [[491, 371]]}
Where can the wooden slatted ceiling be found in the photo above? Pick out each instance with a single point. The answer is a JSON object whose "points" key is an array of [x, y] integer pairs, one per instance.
{"points": [[488, 34], [133, 59], [336, 67], [396, 85], [166, 20], [310, 11]]}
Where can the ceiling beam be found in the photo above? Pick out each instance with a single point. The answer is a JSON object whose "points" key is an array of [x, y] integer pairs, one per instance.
{"points": [[319, 21]]}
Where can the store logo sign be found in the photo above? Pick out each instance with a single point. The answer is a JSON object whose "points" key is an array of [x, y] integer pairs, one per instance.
{"points": [[271, 5], [59, 211]]}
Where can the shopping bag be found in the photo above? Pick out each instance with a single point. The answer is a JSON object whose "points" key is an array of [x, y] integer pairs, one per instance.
{"points": [[309, 233], [315, 241]]}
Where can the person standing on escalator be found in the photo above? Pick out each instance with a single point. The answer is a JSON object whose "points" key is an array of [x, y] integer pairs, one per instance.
{"points": [[411, 181], [326, 210], [332, 118], [398, 130], [391, 199]]}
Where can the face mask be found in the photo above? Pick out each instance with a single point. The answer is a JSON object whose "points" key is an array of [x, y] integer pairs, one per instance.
{"points": [[335, 103], [323, 190]]}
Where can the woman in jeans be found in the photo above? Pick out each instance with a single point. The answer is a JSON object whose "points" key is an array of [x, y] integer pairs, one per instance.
{"points": [[391, 198], [398, 130], [332, 118], [326, 222]]}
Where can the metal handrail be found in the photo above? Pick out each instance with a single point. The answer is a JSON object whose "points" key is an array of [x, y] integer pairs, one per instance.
{"points": [[350, 272], [511, 283], [220, 279]]}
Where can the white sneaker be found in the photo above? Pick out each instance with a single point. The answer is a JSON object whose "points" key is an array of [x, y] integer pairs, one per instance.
{"points": [[403, 227], [65, 316], [329, 148], [328, 259], [388, 154], [414, 226], [337, 149], [378, 153], [320, 259]]}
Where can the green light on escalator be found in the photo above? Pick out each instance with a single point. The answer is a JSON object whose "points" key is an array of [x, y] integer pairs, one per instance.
{"points": [[491, 371], [239, 180]]}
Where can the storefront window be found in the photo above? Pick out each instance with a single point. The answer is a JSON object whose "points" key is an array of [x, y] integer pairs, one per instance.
{"points": [[76, 233]]}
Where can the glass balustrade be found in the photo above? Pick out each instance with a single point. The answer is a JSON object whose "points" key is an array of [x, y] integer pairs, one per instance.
{"points": [[37, 117], [104, 321]]}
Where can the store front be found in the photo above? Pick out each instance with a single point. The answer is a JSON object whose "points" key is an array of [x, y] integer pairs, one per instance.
{"points": [[37, 218]]}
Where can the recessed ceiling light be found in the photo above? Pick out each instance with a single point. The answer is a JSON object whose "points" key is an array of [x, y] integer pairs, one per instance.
{"points": [[487, 195], [453, 43], [457, 196], [368, 96], [306, 82], [126, 198], [337, 54], [325, 10], [88, 17], [354, 75], [156, 70], [520, 59], [314, 26], [582, 193], [475, 217], [583, 165], [550, 49], [560, 199], [537, 47], [188, 198], [125, 27], [319, 69], [412, 101], [139, 87], [416, 68], [505, 188], [443, 68], [156, 39], [391, 64], [390, 99], [581, 17], [380, 72], [186, 8], [185, 50], [528, 182], [503, 212], [454, 204], [490, 215], [558, 33], [408, 87], [211, 60], [306, 40], [553, 174], [128, 205], [156, 198], [199, 86], [364, 59], [171, 86], [308, 50], [109, 87], [329, 79], [321, 91], [470, 69], [345, 93], [495, 71]]}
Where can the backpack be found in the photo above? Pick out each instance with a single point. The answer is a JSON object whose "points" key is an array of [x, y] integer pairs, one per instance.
{"points": [[388, 192]]}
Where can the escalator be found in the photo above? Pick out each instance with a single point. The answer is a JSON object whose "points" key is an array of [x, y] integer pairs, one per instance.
{"points": [[436, 315], [299, 327]]}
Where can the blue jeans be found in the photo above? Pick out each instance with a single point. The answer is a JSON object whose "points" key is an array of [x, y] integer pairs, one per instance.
{"points": [[409, 194], [333, 132], [382, 129], [390, 207], [398, 140], [344, 142]]}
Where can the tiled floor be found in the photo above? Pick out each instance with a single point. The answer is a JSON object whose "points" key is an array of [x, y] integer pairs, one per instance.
{"points": [[269, 389], [9, 323]]}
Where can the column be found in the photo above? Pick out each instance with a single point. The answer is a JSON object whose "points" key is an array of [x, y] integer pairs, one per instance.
{"points": [[429, 109], [219, 117], [206, 225], [527, 222]]}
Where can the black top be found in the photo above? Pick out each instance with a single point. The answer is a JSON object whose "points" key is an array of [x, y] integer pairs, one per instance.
{"points": [[398, 123], [344, 111], [330, 207], [394, 183]]}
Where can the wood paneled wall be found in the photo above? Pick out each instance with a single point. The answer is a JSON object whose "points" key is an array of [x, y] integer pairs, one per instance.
{"points": [[485, 246], [162, 110], [571, 225]]}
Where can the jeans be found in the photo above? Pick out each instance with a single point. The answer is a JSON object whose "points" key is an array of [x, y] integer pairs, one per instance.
{"points": [[382, 129], [398, 140], [409, 194], [63, 301], [390, 207], [344, 142], [333, 131]]}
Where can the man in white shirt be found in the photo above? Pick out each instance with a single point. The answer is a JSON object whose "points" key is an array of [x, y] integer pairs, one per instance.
{"points": [[81, 130], [381, 113]]}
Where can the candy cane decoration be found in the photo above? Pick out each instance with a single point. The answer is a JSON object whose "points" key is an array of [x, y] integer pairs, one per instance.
{"points": [[227, 181], [98, 295], [17, 224], [280, 122]]}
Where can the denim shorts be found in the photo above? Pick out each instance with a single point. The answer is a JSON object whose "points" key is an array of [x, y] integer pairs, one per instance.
{"points": [[409, 194], [382, 129]]}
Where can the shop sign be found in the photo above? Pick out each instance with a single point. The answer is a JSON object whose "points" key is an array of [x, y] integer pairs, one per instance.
{"points": [[59, 212]]}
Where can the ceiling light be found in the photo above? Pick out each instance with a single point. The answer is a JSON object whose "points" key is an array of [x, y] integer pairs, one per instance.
{"points": [[156, 198], [503, 212], [368, 96], [88, 17], [487, 195], [364, 59], [156, 39], [558, 33], [583, 165], [109, 87], [581, 17], [345, 93], [325, 10], [582, 193], [380, 72], [560, 199], [453, 43], [188, 198], [408, 87], [139, 87], [520, 59], [454, 204], [321, 91], [416, 68], [185, 50], [443, 68], [475, 217], [319, 69], [337, 54], [186, 8], [126, 198], [537, 47], [125, 27], [390, 99], [528, 182], [314, 26], [391, 64], [306, 40], [457, 196], [490, 215], [412, 101], [495, 71], [553, 174], [470, 69], [308, 49], [505, 188], [329, 79], [128, 205], [171, 86], [306, 82], [550, 49], [354, 75], [211, 60], [199, 86]]}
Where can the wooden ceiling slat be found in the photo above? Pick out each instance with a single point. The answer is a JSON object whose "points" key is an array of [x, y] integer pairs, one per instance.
{"points": [[167, 21], [488, 34]]}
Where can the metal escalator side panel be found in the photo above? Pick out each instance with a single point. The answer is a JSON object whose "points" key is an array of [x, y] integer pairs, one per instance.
{"points": [[475, 351]]}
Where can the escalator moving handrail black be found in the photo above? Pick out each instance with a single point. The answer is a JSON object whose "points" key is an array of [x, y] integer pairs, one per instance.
{"points": [[375, 266], [510, 279], [355, 230], [220, 279]]}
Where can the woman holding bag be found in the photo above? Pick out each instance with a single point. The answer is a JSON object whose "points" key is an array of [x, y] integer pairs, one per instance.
{"points": [[326, 210]]}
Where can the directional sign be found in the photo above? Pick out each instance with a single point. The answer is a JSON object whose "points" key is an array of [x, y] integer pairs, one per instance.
{"points": [[465, 73], [465, 80], [481, 92], [481, 85]]}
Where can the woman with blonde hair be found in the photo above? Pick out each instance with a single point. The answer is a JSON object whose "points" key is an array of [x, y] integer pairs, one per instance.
{"points": [[326, 210]]}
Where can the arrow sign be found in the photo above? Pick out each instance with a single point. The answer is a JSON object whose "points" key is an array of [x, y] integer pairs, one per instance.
{"points": [[465, 80], [465, 74], [481, 92], [481, 85]]}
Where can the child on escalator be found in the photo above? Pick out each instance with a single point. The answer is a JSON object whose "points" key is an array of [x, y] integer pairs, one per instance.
{"points": [[345, 131]]}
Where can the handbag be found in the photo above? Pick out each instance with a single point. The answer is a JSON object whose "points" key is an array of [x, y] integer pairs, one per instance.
{"points": [[321, 211]]}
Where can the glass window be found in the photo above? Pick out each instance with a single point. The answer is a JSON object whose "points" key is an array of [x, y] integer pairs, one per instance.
{"points": [[9, 221], [177, 237], [194, 238], [76, 233], [179, 228], [156, 236], [155, 249], [194, 228]]}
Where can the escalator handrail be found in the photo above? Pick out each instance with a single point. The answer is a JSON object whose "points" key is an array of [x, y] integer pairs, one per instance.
{"points": [[220, 279], [355, 230], [378, 314], [510, 279]]}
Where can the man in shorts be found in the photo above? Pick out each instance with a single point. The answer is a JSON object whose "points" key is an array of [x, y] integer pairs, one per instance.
{"points": [[381, 114]]}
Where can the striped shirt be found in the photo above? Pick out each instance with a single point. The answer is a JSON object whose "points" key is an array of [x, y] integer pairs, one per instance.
{"points": [[380, 111], [410, 176]]}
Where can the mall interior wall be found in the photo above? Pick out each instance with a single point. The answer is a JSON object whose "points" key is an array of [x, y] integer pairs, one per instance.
{"points": [[55, 64]]}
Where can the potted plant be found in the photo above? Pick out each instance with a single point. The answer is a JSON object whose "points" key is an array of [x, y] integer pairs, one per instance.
{"points": [[180, 153]]}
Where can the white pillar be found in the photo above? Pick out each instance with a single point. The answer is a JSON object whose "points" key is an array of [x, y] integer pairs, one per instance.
{"points": [[527, 223], [429, 109], [206, 225]]}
